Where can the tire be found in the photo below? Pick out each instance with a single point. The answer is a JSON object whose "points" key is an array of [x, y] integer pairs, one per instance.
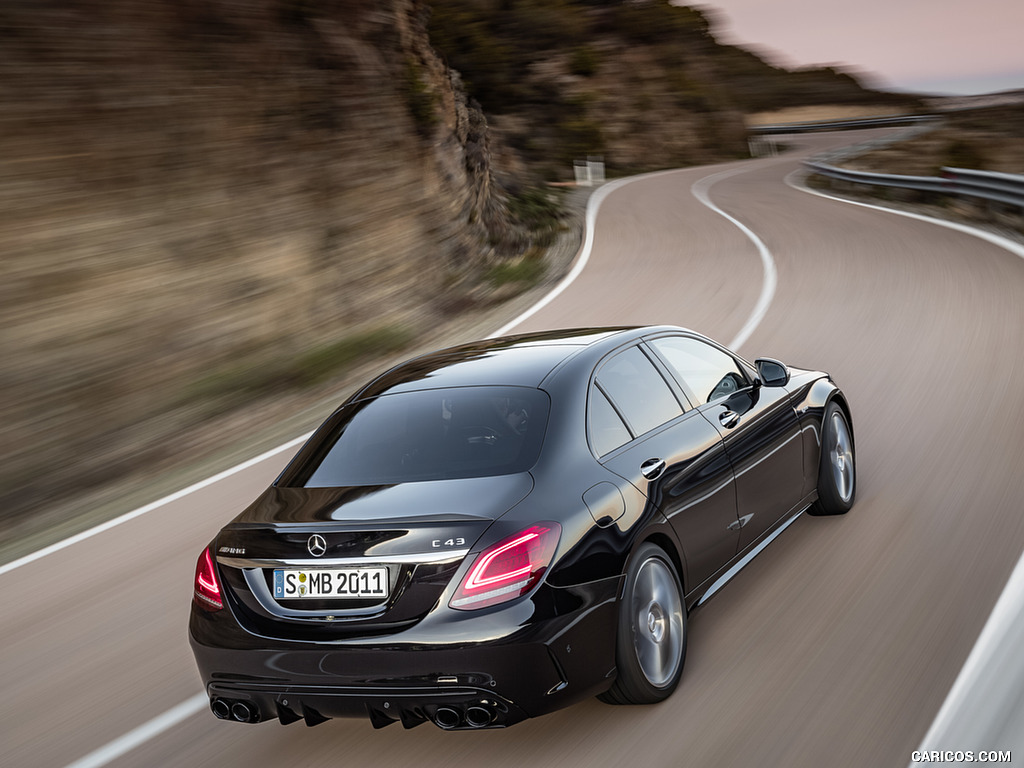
{"points": [[651, 635], [837, 470]]}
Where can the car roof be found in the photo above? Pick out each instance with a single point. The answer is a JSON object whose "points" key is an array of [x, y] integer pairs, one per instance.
{"points": [[521, 360]]}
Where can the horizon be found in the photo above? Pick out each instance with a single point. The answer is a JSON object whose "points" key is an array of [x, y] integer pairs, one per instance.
{"points": [[926, 47]]}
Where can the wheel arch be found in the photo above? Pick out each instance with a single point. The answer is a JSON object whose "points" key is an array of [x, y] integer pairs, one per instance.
{"points": [[667, 543], [839, 399], [831, 500], [815, 401]]}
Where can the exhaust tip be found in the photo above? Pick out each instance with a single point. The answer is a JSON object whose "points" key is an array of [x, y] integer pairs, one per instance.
{"points": [[221, 709], [242, 712], [479, 716], [447, 718]]}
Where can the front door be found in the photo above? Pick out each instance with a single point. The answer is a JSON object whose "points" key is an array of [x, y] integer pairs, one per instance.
{"points": [[675, 457], [757, 423]]}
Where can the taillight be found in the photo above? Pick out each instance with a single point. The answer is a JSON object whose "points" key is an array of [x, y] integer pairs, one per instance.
{"points": [[207, 588], [508, 569]]}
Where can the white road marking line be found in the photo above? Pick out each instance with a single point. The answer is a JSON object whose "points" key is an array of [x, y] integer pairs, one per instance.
{"points": [[38, 554], [592, 205], [591, 217], [172, 717], [175, 715], [700, 190], [993, 627], [983, 710], [581, 261], [989, 237], [588, 244], [143, 733]]}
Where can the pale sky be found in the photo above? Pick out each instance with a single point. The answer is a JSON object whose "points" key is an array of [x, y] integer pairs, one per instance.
{"points": [[944, 46]]}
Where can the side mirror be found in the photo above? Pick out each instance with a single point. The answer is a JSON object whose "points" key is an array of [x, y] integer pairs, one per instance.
{"points": [[771, 372]]}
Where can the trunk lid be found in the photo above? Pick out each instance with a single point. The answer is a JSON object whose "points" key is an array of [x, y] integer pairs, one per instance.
{"points": [[403, 543]]}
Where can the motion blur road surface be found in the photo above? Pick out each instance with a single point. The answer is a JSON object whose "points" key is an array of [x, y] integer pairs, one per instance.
{"points": [[836, 646]]}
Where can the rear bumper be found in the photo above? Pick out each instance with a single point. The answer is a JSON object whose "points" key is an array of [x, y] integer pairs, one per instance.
{"points": [[454, 708], [456, 669]]}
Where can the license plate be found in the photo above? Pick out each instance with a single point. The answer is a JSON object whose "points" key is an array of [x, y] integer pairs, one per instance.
{"points": [[295, 583]]}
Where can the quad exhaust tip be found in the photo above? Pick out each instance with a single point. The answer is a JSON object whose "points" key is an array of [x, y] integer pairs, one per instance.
{"points": [[447, 718], [479, 716], [475, 716], [242, 711]]}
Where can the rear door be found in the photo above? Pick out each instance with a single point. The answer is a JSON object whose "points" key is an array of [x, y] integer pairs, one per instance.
{"points": [[642, 428], [758, 426]]}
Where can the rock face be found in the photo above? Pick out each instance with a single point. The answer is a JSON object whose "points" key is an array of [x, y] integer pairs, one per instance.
{"points": [[195, 188], [203, 202]]}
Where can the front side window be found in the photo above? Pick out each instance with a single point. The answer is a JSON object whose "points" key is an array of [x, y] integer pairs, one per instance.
{"points": [[639, 392], [431, 434], [709, 372]]}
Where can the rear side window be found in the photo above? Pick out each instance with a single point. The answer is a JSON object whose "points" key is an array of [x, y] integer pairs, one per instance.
{"points": [[433, 434], [639, 392], [607, 432], [708, 371]]}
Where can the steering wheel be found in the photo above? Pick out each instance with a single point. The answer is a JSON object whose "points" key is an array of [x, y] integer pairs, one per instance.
{"points": [[729, 384], [480, 434]]}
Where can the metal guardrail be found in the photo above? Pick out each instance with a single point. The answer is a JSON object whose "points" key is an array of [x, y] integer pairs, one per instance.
{"points": [[1006, 188], [762, 140], [840, 125]]}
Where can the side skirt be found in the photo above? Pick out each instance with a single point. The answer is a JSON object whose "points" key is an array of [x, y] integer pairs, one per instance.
{"points": [[751, 553]]}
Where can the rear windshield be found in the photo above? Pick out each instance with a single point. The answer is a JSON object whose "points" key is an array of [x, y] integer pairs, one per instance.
{"points": [[431, 434]]}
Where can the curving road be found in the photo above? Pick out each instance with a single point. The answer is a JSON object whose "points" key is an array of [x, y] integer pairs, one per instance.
{"points": [[836, 646]]}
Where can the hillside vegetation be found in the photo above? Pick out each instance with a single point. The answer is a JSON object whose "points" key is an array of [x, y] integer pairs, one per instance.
{"points": [[986, 139], [644, 84], [212, 207]]}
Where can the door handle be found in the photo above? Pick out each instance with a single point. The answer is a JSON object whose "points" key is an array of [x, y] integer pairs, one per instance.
{"points": [[729, 419], [652, 468], [740, 522]]}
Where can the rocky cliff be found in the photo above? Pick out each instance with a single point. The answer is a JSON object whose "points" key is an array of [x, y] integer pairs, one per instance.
{"points": [[201, 200], [210, 203]]}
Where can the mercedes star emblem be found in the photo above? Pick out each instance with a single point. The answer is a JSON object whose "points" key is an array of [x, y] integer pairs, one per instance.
{"points": [[316, 545]]}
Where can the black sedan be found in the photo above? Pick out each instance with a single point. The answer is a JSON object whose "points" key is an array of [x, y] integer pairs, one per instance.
{"points": [[497, 530]]}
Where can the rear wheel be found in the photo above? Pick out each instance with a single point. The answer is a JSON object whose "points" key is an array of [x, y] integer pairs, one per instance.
{"points": [[651, 634], [837, 475]]}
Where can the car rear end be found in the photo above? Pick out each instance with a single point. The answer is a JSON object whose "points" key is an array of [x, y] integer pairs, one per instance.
{"points": [[464, 639], [381, 576]]}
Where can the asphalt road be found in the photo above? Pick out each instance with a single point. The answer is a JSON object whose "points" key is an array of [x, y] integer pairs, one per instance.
{"points": [[836, 646]]}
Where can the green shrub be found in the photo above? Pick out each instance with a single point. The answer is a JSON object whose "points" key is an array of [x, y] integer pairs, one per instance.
{"points": [[536, 208], [321, 363], [963, 154], [239, 382], [583, 61], [526, 271], [492, 43]]}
